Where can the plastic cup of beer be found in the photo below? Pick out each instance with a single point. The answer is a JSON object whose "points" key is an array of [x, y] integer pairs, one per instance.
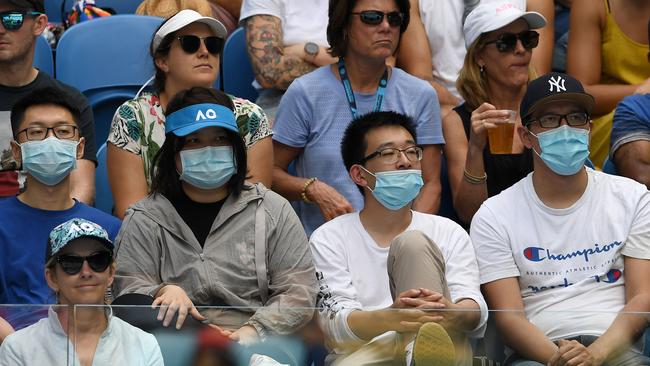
{"points": [[500, 138]]}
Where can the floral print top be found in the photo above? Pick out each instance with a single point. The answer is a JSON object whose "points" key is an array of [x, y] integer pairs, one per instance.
{"points": [[138, 126]]}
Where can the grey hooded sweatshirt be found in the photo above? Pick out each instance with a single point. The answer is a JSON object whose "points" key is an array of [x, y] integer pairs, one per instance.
{"points": [[155, 247]]}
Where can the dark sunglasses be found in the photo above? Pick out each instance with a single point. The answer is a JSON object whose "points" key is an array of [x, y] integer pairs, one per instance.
{"points": [[98, 262], [13, 20], [375, 17], [191, 43], [508, 41]]}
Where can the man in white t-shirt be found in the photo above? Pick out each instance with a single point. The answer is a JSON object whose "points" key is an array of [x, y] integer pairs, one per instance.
{"points": [[386, 271], [285, 39], [556, 243]]}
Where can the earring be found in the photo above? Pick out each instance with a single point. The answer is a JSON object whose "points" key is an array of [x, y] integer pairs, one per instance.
{"points": [[481, 69]]}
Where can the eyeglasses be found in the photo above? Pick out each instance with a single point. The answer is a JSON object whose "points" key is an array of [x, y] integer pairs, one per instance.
{"points": [[191, 43], [554, 120], [98, 262], [391, 155], [375, 17], [62, 132], [507, 42], [13, 20]]}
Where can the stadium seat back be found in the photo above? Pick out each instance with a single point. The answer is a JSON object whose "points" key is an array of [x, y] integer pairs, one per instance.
{"points": [[236, 69], [43, 59]]}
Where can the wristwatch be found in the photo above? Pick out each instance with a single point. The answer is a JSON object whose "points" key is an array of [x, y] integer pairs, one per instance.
{"points": [[311, 49]]}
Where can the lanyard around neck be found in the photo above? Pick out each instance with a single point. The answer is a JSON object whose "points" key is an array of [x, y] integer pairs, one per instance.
{"points": [[349, 94]]}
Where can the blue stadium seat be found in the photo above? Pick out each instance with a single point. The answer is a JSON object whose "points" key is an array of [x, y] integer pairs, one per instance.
{"points": [[609, 167], [53, 7], [103, 194], [108, 60], [236, 69], [43, 59]]}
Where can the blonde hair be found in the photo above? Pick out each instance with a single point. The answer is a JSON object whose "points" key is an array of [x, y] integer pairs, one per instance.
{"points": [[472, 83]]}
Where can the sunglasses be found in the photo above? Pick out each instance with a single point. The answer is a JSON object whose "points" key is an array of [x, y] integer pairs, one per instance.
{"points": [[508, 41], [375, 17], [98, 262], [191, 44], [13, 20]]}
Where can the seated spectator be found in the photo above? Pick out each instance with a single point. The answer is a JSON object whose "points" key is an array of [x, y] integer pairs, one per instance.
{"points": [[434, 41], [380, 268], [45, 126], [547, 246], [22, 22], [217, 240], [608, 45], [286, 39], [185, 51], [630, 144], [500, 40], [319, 106], [79, 267], [225, 11]]}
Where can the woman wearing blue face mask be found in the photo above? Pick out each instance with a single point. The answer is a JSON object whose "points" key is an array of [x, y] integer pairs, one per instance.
{"points": [[206, 237]]}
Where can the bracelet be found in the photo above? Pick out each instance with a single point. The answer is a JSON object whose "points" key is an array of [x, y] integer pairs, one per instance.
{"points": [[303, 195], [472, 179]]}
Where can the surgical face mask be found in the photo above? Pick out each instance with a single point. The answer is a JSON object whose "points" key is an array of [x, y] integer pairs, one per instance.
{"points": [[564, 149], [209, 167], [50, 160], [396, 189]]}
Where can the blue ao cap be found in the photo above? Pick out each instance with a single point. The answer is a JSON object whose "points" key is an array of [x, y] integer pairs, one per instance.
{"points": [[197, 116]]}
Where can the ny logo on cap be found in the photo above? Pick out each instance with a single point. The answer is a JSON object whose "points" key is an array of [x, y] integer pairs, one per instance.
{"points": [[558, 84], [209, 114]]}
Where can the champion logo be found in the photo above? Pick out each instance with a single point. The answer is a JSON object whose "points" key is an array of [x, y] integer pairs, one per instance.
{"points": [[506, 6], [537, 254], [209, 114], [612, 276], [558, 84]]}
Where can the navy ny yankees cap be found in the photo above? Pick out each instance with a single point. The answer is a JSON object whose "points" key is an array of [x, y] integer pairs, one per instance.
{"points": [[551, 88]]}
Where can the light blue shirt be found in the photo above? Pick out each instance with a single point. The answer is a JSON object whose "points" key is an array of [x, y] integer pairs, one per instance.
{"points": [[45, 343], [314, 114]]}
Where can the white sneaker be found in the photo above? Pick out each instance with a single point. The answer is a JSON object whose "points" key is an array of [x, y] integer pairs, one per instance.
{"points": [[432, 347], [261, 360]]}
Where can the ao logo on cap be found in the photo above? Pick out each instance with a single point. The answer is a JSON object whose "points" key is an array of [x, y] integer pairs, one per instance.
{"points": [[558, 84], [209, 114], [84, 226]]}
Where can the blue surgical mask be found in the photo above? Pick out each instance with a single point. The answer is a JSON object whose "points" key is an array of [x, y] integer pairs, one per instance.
{"points": [[396, 189], [50, 160], [209, 167], [564, 149]]}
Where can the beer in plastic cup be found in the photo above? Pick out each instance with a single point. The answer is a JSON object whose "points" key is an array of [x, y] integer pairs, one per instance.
{"points": [[500, 138]]}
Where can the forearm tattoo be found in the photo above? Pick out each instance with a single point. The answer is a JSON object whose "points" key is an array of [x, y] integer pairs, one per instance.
{"points": [[266, 51]]}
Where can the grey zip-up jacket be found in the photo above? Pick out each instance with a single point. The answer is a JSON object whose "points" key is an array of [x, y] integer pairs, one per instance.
{"points": [[155, 247]]}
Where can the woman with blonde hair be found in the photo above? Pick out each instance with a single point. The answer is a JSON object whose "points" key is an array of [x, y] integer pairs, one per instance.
{"points": [[499, 37]]}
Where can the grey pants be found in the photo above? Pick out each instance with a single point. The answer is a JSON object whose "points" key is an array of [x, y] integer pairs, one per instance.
{"points": [[414, 261]]}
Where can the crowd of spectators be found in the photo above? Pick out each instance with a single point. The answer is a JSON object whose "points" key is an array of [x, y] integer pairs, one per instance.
{"points": [[308, 216]]}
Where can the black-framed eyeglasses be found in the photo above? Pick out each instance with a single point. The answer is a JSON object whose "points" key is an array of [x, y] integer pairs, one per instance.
{"points": [[507, 42], [62, 132], [553, 120], [191, 43], [375, 17], [98, 262], [13, 19], [391, 155]]}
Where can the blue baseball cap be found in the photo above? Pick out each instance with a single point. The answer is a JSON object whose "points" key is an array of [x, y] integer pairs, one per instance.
{"points": [[197, 116], [73, 229]]}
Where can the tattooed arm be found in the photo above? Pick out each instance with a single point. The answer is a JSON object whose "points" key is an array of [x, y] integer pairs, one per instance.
{"points": [[275, 65]]}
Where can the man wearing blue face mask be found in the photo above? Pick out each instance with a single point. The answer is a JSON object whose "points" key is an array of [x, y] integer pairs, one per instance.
{"points": [[47, 142], [565, 243], [386, 271]]}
